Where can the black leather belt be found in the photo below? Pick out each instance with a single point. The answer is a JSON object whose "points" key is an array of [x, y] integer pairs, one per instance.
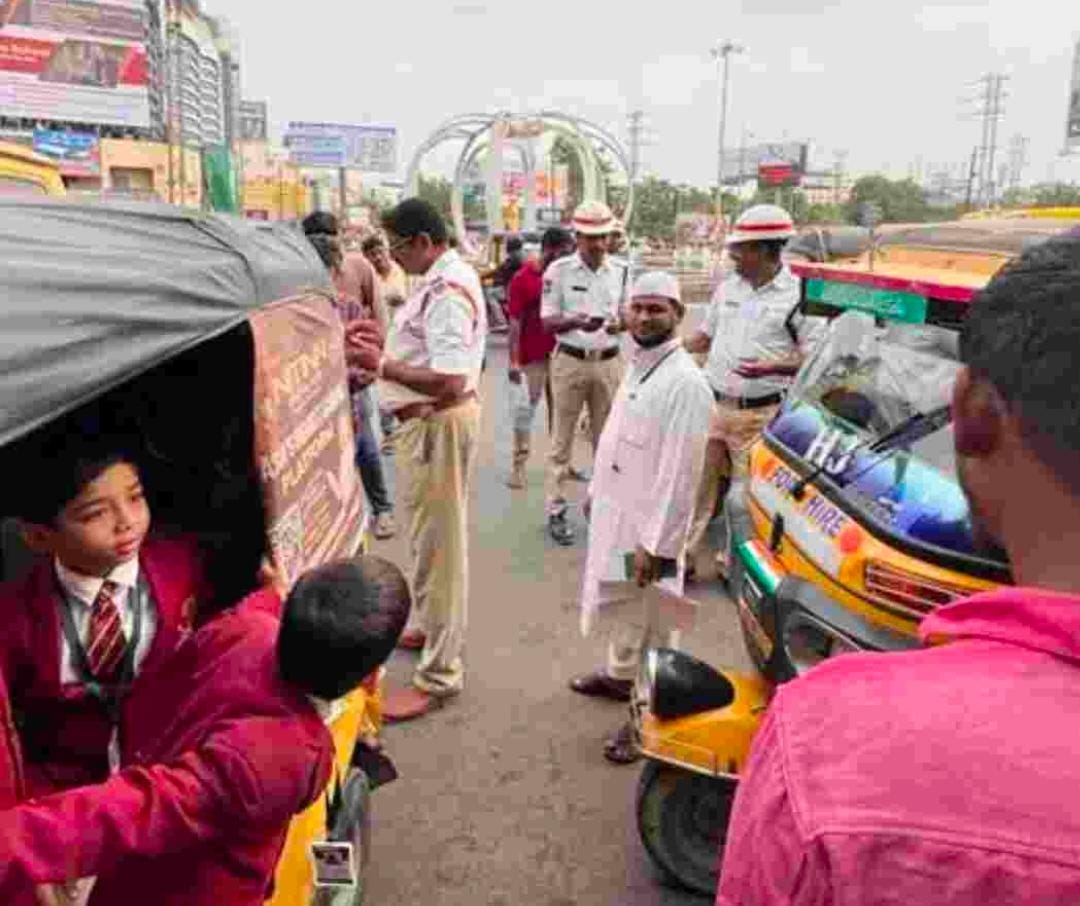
{"points": [[742, 402], [590, 355]]}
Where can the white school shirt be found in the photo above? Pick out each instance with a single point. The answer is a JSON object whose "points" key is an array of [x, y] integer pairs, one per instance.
{"points": [[82, 591]]}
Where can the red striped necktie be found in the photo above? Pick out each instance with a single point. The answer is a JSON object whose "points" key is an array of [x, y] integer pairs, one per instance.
{"points": [[106, 641]]}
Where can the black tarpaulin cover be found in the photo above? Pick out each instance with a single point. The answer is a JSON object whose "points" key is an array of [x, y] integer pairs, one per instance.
{"points": [[94, 293]]}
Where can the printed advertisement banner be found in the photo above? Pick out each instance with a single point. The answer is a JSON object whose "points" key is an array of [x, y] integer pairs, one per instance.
{"points": [[73, 60], [304, 441], [76, 153], [370, 147]]}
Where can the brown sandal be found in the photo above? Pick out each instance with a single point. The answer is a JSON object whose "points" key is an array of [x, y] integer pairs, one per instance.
{"points": [[599, 685], [621, 747]]}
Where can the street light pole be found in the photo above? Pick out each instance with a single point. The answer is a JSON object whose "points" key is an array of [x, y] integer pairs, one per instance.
{"points": [[722, 54]]}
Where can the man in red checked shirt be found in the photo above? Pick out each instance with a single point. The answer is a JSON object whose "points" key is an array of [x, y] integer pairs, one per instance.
{"points": [[530, 345]]}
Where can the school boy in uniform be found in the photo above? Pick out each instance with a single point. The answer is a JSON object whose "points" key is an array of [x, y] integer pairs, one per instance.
{"points": [[226, 743], [104, 602]]}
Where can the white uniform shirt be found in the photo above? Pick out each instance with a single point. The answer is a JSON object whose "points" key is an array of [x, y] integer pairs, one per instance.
{"points": [[747, 324], [647, 468], [83, 590], [571, 286], [442, 326]]}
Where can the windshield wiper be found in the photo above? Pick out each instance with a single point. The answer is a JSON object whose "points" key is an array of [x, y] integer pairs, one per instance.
{"points": [[909, 431]]}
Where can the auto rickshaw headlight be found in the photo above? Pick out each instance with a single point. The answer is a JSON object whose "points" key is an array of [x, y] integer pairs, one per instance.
{"points": [[678, 684]]}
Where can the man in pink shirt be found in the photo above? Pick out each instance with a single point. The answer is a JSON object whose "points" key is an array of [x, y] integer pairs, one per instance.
{"points": [[952, 774]]}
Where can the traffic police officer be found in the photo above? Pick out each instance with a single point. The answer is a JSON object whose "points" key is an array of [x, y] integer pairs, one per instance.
{"points": [[582, 305], [755, 338]]}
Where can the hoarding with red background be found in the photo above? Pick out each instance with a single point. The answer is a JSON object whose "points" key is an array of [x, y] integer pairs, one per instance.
{"points": [[304, 441], [75, 61]]}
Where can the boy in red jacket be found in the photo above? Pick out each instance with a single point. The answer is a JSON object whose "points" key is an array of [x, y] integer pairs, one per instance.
{"points": [[226, 743], [101, 606]]}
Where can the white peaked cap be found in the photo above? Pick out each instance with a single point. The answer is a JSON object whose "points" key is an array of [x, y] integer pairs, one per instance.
{"points": [[658, 283]]}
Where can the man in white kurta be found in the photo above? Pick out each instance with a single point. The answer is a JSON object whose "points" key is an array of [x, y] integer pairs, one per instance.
{"points": [[647, 468]]}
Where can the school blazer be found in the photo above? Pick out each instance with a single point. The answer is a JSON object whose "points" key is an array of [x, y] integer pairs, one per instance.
{"points": [[220, 754], [64, 730]]}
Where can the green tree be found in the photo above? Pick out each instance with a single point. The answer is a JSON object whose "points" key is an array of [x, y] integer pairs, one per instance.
{"points": [[655, 208], [900, 201], [436, 190], [1054, 195], [563, 154]]}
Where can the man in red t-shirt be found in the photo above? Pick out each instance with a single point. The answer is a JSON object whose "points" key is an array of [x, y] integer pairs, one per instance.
{"points": [[530, 345]]}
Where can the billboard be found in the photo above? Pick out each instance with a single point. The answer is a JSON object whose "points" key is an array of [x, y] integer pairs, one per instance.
{"points": [[76, 153], [1072, 122], [253, 116], [371, 147], [746, 162], [78, 61]]}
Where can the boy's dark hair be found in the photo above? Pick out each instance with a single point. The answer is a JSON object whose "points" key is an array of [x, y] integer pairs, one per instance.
{"points": [[514, 244], [320, 223], [413, 217], [340, 622], [1022, 335], [371, 243], [53, 467]]}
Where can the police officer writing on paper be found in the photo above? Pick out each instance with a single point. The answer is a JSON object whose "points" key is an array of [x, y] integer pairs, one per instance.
{"points": [[755, 338], [428, 378], [648, 466], [581, 305]]}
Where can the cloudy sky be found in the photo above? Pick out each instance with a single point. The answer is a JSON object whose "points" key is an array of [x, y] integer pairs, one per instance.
{"points": [[889, 83]]}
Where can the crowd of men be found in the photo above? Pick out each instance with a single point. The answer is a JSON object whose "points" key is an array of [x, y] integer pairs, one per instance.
{"points": [[946, 775], [942, 775]]}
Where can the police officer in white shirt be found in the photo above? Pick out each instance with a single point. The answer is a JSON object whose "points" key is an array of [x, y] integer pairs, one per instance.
{"points": [[755, 338], [582, 305]]}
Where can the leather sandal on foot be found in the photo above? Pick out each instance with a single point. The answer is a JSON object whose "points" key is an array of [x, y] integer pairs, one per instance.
{"points": [[621, 747], [599, 685], [407, 703]]}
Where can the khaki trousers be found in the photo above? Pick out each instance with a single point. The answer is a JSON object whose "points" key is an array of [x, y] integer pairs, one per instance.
{"points": [[576, 384], [732, 432], [435, 458]]}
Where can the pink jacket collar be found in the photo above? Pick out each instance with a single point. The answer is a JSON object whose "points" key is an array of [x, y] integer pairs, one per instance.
{"points": [[1029, 617]]}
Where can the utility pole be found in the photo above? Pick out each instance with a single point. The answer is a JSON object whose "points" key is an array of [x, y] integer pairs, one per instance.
{"points": [[839, 160], [722, 54], [1018, 159], [971, 177], [991, 110], [636, 130]]}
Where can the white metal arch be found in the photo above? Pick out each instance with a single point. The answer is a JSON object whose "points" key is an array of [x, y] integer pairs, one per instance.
{"points": [[476, 130]]}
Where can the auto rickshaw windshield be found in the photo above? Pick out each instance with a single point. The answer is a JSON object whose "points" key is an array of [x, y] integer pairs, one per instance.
{"points": [[875, 377]]}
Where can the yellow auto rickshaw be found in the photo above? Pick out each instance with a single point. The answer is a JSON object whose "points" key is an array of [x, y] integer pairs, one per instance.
{"points": [[852, 525], [216, 341], [24, 172]]}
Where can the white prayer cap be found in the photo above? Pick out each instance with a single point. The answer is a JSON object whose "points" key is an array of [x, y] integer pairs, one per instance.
{"points": [[658, 283]]}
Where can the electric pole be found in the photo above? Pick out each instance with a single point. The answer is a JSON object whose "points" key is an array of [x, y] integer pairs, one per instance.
{"points": [[839, 160], [636, 131], [991, 110], [722, 54]]}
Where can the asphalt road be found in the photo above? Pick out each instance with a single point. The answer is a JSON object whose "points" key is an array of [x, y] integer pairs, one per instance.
{"points": [[504, 796]]}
